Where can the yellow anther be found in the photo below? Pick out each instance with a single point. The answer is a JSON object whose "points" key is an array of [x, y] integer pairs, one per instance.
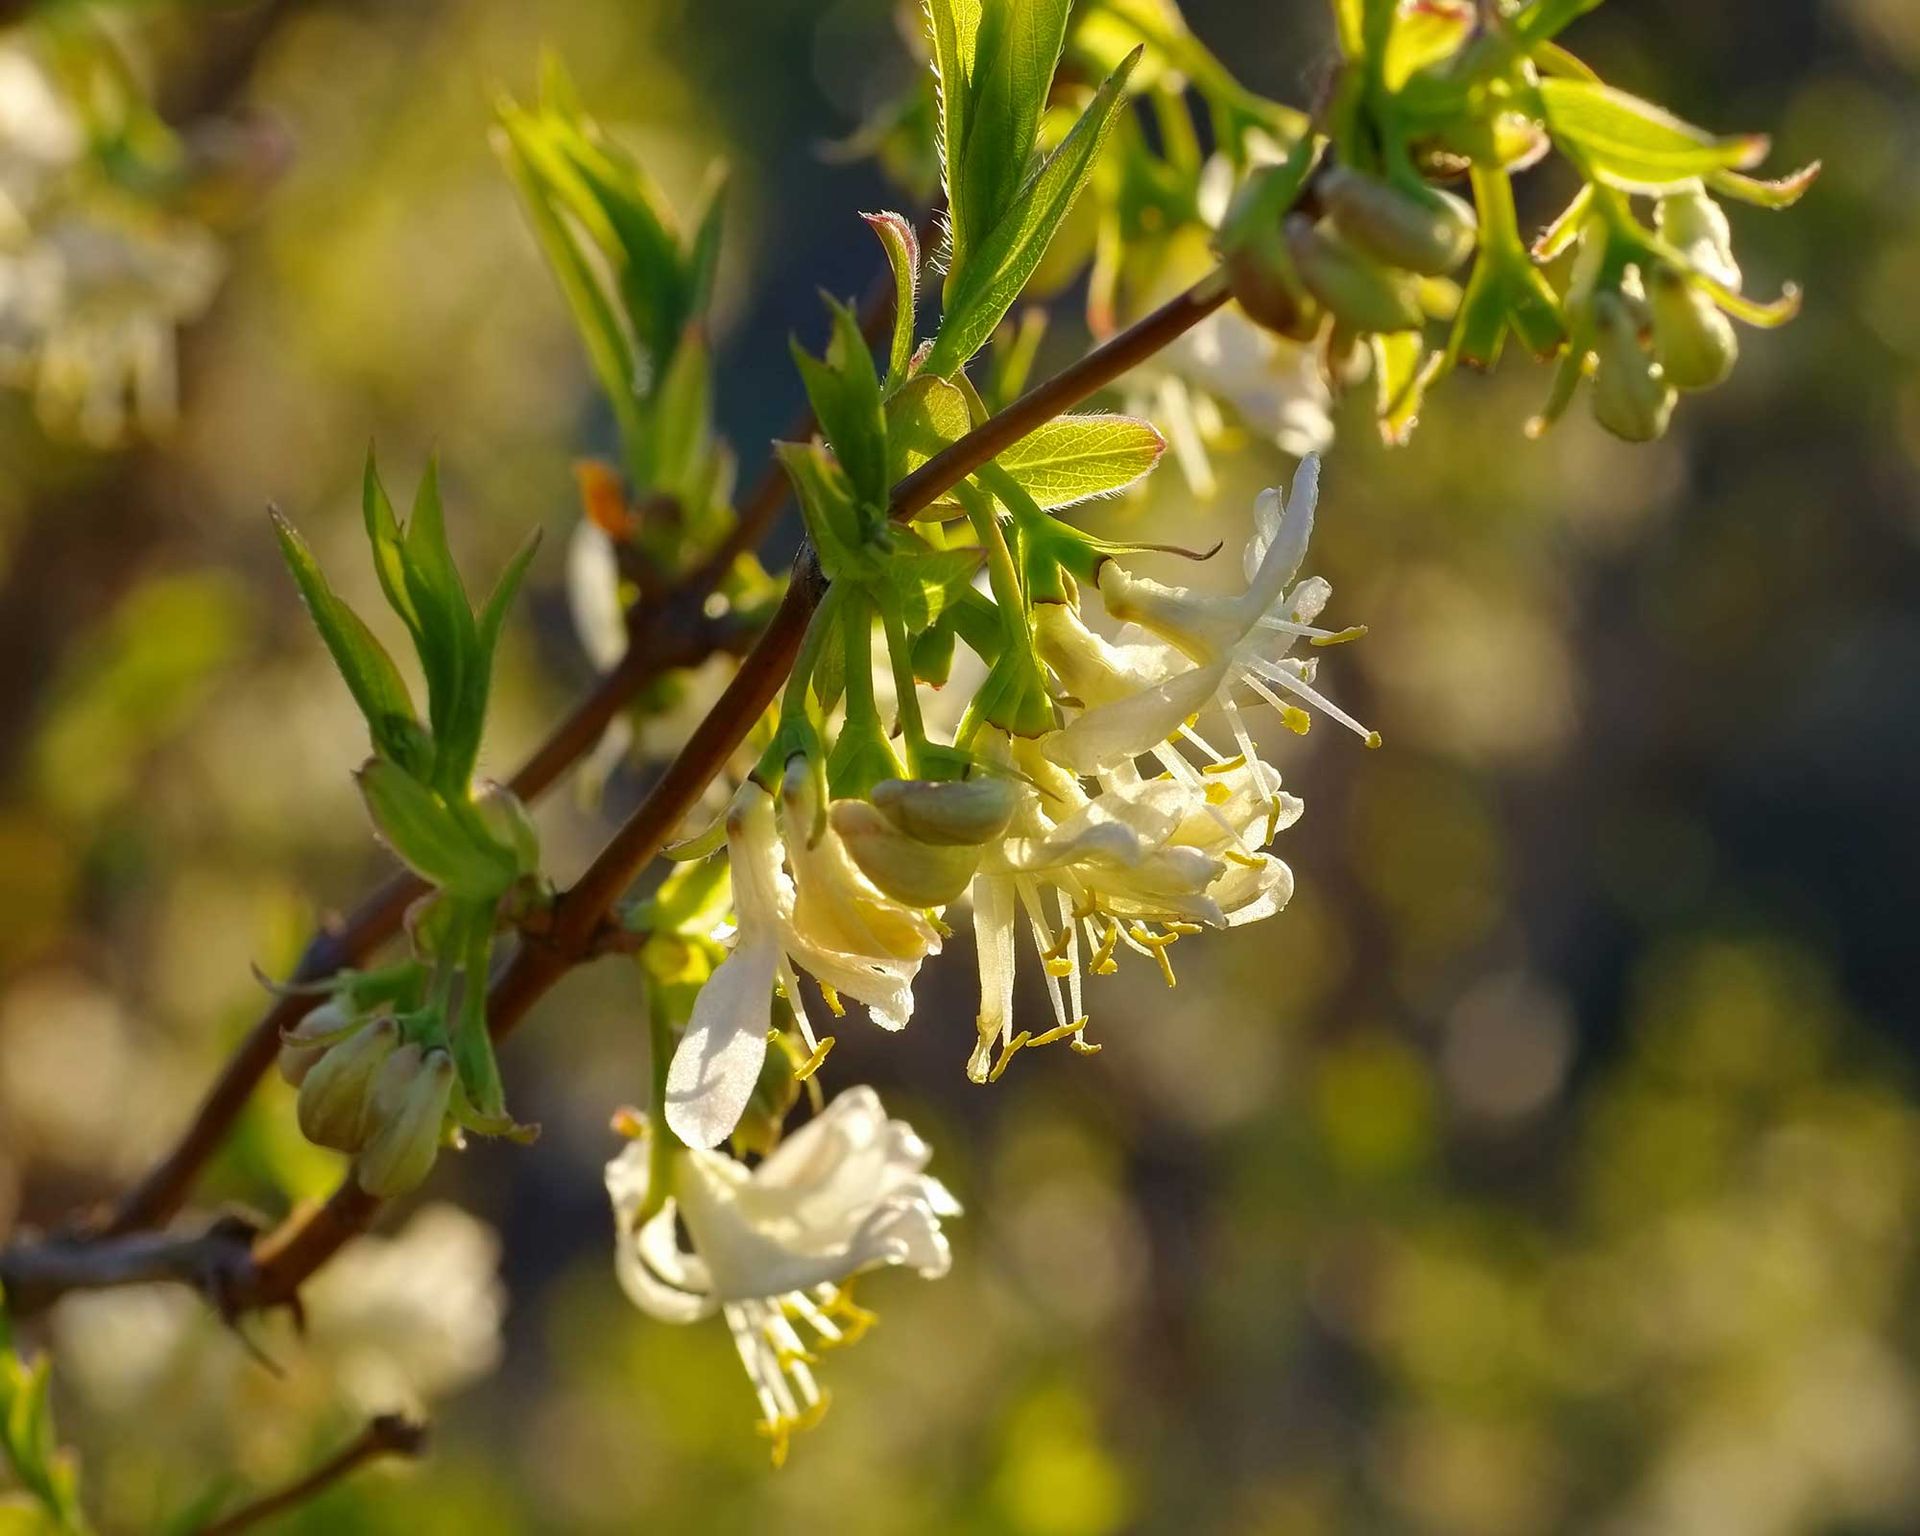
{"points": [[789, 1358], [1373, 738], [1296, 719], [1102, 963], [1341, 637], [629, 1123], [1013, 1049], [834, 1006], [1159, 943], [1218, 793], [1183, 929], [1058, 949], [1226, 765], [1059, 1032], [1273, 817], [854, 1320], [1084, 1046], [1243, 859], [811, 1065]]}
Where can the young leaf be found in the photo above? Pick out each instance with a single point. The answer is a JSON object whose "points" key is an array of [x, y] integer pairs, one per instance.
{"points": [[371, 677], [1017, 50], [995, 273], [923, 581], [845, 393], [903, 255], [430, 838], [1075, 458], [955, 27], [922, 418], [1632, 144], [445, 637]]}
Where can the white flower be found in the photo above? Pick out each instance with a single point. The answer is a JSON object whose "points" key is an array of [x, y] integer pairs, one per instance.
{"points": [[1137, 865], [773, 1248], [1213, 649], [827, 919]]}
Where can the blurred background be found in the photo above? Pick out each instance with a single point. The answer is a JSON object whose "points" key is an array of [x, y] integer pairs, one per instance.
{"points": [[1553, 1164]]}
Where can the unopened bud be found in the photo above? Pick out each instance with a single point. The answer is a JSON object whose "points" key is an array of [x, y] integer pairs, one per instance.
{"points": [[954, 811], [406, 1116], [332, 1107], [303, 1045], [1260, 273], [1694, 342], [921, 874], [1426, 231], [1367, 296], [1696, 226], [1630, 399]]}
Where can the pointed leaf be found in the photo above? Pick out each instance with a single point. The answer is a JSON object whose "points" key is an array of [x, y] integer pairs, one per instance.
{"points": [[430, 838], [371, 677], [903, 255], [1017, 50], [1634, 145], [995, 273], [1075, 458]]}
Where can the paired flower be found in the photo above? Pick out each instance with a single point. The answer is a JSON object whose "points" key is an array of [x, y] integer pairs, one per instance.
{"points": [[774, 1249]]}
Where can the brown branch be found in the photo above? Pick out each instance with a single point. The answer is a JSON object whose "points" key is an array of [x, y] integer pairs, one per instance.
{"points": [[283, 1260], [391, 1434]]}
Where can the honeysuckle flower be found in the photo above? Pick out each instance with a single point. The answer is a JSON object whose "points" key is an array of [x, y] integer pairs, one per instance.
{"points": [[1138, 864], [826, 919], [773, 1249], [1231, 645]]}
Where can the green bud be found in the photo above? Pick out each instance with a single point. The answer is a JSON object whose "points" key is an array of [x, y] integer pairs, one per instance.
{"points": [[1426, 231], [951, 812], [1360, 292], [921, 874], [1696, 226], [406, 1117], [1260, 273], [1630, 399], [302, 1046], [1694, 342], [332, 1107], [933, 655]]}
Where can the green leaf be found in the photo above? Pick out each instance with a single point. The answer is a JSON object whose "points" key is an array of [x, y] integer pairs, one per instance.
{"points": [[446, 638], [677, 450], [954, 26], [925, 416], [903, 255], [1632, 144], [922, 581], [834, 523], [1545, 19], [431, 838], [1017, 50], [371, 677], [30, 1447], [845, 392], [1781, 193], [995, 273], [1075, 458]]}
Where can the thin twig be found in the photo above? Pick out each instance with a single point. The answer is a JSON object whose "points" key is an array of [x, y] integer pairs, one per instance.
{"points": [[391, 1434]]}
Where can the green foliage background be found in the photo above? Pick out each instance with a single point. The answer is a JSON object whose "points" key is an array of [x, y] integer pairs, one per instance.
{"points": [[1550, 1165]]}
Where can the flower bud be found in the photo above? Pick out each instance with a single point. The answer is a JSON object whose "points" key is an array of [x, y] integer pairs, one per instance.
{"points": [[1693, 341], [406, 1115], [954, 811], [1259, 271], [918, 873], [1359, 291], [1696, 226], [1426, 231], [304, 1044], [333, 1098], [1630, 399]]}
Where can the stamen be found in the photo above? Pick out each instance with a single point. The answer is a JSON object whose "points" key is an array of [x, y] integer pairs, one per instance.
{"points": [[834, 1006], [1225, 765], [1157, 945], [1060, 1032], [1313, 696], [1012, 1049], [811, 1065], [630, 1123]]}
